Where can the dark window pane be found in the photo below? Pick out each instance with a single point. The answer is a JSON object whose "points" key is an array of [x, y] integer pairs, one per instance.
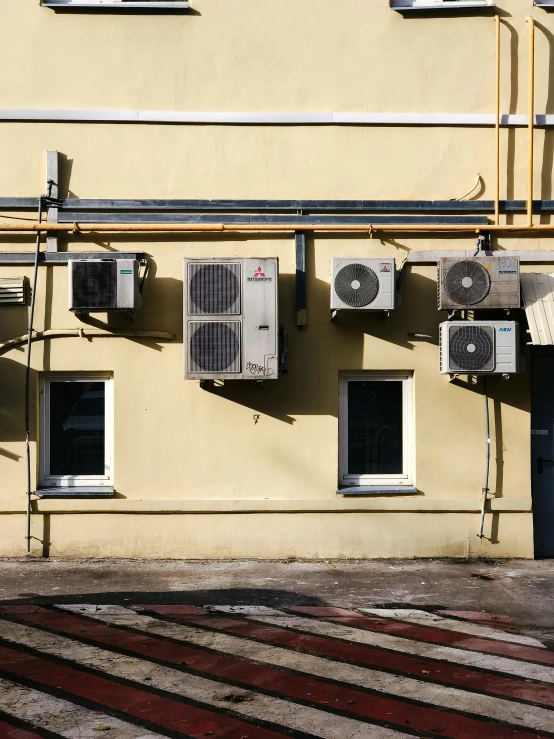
{"points": [[77, 428], [375, 428]]}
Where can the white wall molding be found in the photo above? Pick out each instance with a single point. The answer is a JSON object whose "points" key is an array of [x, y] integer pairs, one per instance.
{"points": [[241, 118]]}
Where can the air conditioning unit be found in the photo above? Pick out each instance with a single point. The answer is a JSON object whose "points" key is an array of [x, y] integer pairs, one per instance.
{"points": [[363, 284], [479, 347], [231, 319], [102, 285], [478, 282]]}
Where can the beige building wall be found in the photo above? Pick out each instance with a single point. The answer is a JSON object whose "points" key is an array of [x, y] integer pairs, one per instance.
{"points": [[195, 475]]}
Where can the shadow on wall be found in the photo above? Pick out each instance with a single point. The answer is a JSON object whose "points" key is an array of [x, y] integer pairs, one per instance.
{"points": [[12, 393]]}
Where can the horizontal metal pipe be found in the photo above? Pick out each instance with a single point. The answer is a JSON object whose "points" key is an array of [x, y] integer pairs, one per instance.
{"points": [[273, 219], [219, 227], [86, 333]]}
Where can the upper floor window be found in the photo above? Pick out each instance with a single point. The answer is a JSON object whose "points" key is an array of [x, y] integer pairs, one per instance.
{"points": [[408, 5], [116, 5]]}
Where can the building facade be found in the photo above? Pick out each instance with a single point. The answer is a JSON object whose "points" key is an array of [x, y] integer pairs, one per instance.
{"points": [[360, 447]]}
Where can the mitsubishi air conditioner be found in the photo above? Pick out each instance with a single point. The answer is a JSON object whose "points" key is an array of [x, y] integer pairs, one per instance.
{"points": [[478, 282], [103, 285], [363, 284], [479, 347], [231, 327]]}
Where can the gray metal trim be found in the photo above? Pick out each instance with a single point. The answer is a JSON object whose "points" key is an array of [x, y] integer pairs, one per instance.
{"points": [[301, 290], [376, 490], [275, 206], [52, 258], [76, 492]]}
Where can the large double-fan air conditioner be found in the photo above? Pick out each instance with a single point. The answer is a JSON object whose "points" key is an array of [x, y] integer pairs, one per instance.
{"points": [[231, 319]]}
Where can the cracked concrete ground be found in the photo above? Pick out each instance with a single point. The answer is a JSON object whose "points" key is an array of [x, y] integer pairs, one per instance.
{"points": [[520, 589]]}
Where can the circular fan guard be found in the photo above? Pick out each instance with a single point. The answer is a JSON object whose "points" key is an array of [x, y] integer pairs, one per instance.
{"points": [[214, 347], [356, 285], [471, 348], [214, 288], [467, 282]]}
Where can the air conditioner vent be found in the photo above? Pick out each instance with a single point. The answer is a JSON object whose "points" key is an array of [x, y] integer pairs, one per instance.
{"points": [[479, 347], [103, 285], [94, 285], [214, 288], [12, 291], [467, 282], [214, 346], [483, 282], [356, 285], [471, 348], [363, 284]]}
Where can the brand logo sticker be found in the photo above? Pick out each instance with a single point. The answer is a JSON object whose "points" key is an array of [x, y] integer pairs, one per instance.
{"points": [[385, 267], [505, 329], [259, 276]]}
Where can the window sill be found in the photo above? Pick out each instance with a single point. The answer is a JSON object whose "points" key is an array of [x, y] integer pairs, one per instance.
{"points": [[403, 6], [377, 490], [76, 492], [151, 6]]}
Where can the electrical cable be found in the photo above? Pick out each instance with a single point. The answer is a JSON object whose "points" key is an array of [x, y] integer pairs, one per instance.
{"points": [[28, 380], [487, 458]]}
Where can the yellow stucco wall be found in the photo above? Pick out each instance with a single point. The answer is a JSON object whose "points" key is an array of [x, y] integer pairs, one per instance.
{"points": [[177, 445]]}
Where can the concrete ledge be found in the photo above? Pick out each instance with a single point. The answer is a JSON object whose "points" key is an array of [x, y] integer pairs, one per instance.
{"points": [[412, 504]]}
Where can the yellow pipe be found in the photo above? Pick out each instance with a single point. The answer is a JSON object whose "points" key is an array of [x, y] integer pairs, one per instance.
{"points": [[497, 127], [269, 227], [531, 114]]}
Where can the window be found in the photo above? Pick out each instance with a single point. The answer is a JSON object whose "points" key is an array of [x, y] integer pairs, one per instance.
{"points": [[76, 443], [116, 5], [376, 432], [409, 5]]}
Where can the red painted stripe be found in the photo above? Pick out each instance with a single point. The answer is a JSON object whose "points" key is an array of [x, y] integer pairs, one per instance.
{"points": [[437, 636], [481, 617], [8, 731], [159, 710], [463, 677], [393, 711]]}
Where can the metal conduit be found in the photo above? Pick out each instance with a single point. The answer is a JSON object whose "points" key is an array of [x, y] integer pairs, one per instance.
{"points": [[531, 115], [266, 227]]}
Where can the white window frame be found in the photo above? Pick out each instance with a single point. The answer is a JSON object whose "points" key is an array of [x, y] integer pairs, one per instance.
{"points": [[406, 478], [47, 480]]}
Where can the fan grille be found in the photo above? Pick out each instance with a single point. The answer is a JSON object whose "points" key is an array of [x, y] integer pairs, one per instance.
{"points": [[471, 348], [214, 346], [214, 288], [94, 285], [467, 282], [356, 285]]}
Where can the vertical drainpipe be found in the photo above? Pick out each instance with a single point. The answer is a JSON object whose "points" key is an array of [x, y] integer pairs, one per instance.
{"points": [[497, 126], [531, 128]]}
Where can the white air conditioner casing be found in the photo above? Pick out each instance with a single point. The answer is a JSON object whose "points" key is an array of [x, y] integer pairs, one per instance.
{"points": [[479, 347], [478, 282], [363, 284], [231, 319], [103, 285]]}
